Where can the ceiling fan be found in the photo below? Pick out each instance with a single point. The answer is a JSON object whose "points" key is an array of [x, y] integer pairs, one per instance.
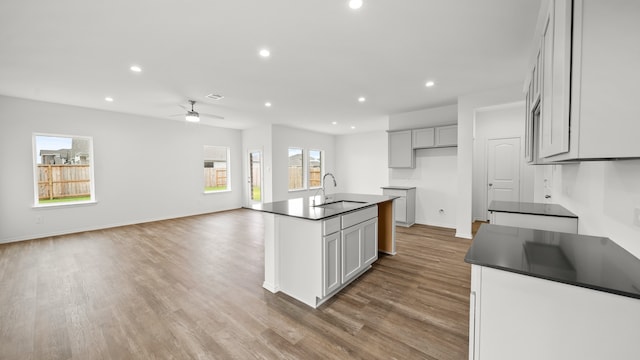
{"points": [[193, 116]]}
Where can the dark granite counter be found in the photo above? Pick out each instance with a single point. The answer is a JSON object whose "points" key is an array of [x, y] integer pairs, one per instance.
{"points": [[588, 261], [303, 208], [530, 208]]}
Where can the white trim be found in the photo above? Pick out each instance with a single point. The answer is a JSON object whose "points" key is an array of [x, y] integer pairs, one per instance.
{"points": [[34, 165], [463, 236], [67, 203]]}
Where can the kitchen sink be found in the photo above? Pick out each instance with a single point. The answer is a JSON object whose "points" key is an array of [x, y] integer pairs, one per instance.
{"points": [[339, 205]]}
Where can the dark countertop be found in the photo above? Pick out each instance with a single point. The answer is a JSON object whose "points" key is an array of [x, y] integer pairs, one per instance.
{"points": [[302, 208], [592, 262], [530, 208], [398, 187]]}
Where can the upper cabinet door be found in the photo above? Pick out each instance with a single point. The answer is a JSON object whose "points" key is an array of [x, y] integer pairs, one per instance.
{"points": [[447, 135], [401, 149], [556, 71], [423, 138]]}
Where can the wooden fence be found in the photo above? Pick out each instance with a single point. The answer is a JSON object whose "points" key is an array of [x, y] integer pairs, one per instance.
{"points": [[296, 178], [63, 181], [215, 177]]}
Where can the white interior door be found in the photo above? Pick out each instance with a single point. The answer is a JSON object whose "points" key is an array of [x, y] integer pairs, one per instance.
{"points": [[254, 180], [503, 169]]}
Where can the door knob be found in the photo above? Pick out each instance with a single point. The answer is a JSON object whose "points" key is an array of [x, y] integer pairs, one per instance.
{"points": [[547, 196], [490, 184]]}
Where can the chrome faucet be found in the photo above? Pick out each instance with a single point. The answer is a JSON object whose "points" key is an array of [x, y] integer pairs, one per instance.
{"points": [[324, 183]]}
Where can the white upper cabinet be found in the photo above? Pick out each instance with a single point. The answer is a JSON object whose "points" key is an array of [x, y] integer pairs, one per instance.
{"points": [[401, 150], [424, 138], [556, 60], [447, 136], [586, 66]]}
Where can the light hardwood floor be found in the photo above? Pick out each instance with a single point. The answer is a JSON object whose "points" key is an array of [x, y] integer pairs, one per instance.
{"points": [[190, 288]]}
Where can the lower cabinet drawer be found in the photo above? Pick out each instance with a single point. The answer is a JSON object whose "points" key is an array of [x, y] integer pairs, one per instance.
{"points": [[359, 216]]}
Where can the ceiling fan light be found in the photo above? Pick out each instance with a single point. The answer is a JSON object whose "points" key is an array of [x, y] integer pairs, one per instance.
{"points": [[192, 116]]}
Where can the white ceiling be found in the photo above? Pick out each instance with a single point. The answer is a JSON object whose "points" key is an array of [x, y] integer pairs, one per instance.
{"points": [[324, 55]]}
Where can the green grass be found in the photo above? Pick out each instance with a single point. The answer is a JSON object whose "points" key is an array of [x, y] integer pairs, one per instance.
{"points": [[256, 193], [68, 199], [215, 188]]}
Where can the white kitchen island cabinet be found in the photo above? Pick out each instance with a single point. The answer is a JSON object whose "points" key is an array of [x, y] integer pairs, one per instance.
{"points": [[312, 252], [548, 295], [313, 266]]}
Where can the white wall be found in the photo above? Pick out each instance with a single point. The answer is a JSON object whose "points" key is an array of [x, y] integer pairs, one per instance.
{"points": [[361, 162], [604, 195], [145, 168], [505, 121], [467, 107], [283, 138], [435, 174]]}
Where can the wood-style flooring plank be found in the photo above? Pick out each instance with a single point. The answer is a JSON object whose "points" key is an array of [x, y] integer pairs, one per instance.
{"points": [[191, 288]]}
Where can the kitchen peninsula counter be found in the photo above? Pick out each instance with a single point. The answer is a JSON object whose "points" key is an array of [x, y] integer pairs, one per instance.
{"points": [[538, 294]]}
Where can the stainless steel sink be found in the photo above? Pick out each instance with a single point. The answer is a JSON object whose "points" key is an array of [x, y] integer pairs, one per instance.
{"points": [[340, 205]]}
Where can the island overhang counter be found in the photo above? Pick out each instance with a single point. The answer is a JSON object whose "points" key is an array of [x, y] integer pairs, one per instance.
{"points": [[313, 250]]}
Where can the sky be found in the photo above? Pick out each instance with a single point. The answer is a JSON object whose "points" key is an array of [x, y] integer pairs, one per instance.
{"points": [[51, 143]]}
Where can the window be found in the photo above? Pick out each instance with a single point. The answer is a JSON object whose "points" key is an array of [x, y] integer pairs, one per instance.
{"points": [[63, 169], [315, 169], [296, 171], [217, 173]]}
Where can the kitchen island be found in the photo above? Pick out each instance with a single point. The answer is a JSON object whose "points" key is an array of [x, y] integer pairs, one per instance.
{"points": [[314, 249], [539, 294]]}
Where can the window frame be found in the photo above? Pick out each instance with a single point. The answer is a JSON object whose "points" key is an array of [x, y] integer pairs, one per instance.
{"points": [[228, 169], [34, 159], [303, 165], [309, 169]]}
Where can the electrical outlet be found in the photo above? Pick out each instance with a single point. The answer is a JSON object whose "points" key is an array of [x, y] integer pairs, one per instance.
{"points": [[636, 216]]}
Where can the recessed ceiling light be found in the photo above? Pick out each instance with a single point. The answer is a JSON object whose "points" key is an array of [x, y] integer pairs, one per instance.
{"points": [[135, 68], [355, 4], [353, 127], [109, 99], [362, 99], [267, 104], [334, 123], [265, 53], [429, 83], [215, 96]]}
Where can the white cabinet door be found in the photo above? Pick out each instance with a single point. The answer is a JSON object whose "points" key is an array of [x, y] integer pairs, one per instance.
{"points": [[424, 138], [401, 150], [369, 242], [332, 264], [401, 209], [351, 252], [447, 135], [556, 68]]}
